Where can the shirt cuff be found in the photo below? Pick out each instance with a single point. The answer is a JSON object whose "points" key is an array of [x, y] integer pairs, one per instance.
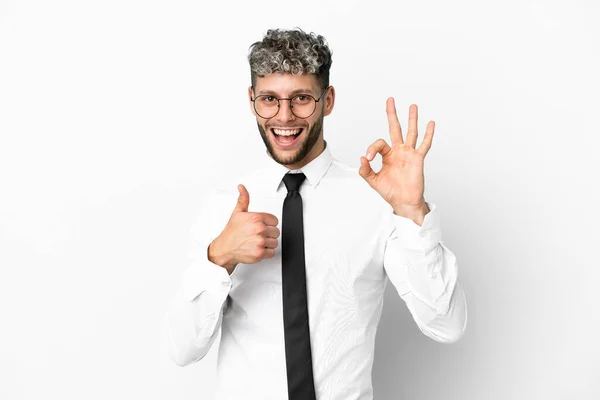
{"points": [[432, 278], [431, 271], [204, 275], [419, 238]]}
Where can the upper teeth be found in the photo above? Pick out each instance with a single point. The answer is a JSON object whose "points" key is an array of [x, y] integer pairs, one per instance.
{"points": [[286, 132]]}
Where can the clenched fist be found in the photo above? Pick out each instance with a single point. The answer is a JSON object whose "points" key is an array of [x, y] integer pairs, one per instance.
{"points": [[247, 238]]}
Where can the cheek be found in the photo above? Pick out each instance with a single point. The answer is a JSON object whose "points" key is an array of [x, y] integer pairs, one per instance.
{"points": [[311, 123], [262, 127]]}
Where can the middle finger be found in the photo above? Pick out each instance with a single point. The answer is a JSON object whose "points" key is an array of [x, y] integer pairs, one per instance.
{"points": [[411, 136]]}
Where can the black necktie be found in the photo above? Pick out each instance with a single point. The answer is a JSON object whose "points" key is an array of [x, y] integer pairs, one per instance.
{"points": [[293, 281]]}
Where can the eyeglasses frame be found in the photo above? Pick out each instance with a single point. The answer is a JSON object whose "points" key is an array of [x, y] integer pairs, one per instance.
{"points": [[290, 99]]}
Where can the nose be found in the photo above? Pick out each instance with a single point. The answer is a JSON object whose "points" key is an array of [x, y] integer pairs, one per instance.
{"points": [[285, 112]]}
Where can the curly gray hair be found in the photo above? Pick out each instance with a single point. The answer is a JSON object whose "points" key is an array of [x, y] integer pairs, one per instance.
{"points": [[290, 51]]}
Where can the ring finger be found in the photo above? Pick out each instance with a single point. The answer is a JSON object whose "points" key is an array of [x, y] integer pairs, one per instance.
{"points": [[271, 243]]}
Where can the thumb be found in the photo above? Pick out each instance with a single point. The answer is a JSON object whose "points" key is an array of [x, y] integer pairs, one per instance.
{"points": [[367, 172], [243, 199]]}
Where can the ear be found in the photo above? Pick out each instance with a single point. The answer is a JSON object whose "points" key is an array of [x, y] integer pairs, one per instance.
{"points": [[329, 100], [250, 96]]}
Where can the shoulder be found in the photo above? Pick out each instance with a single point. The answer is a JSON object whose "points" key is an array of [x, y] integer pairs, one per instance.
{"points": [[348, 175], [346, 179], [225, 186]]}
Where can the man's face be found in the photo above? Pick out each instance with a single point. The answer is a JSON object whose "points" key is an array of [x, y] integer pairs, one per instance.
{"points": [[311, 128]]}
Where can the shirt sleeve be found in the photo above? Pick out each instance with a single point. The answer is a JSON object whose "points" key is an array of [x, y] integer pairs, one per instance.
{"points": [[195, 313], [425, 273]]}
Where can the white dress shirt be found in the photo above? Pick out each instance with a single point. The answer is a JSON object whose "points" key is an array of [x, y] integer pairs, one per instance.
{"points": [[353, 244]]}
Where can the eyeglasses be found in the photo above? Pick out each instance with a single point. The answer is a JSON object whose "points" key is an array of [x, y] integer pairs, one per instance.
{"points": [[301, 105]]}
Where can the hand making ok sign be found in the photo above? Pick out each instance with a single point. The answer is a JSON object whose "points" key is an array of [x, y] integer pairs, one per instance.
{"points": [[400, 181]]}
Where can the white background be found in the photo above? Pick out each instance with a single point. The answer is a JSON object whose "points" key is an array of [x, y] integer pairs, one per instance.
{"points": [[116, 115]]}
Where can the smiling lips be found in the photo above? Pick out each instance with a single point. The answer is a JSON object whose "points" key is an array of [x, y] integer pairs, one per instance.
{"points": [[286, 131], [286, 137]]}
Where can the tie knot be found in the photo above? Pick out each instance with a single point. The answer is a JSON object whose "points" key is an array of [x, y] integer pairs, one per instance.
{"points": [[293, 181]]}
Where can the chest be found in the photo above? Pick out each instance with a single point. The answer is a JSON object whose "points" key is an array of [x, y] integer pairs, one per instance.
{"points": [[343, 245]]}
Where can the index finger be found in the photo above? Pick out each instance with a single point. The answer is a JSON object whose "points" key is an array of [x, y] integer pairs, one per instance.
{"points": [[392, 116], [268, 219]]}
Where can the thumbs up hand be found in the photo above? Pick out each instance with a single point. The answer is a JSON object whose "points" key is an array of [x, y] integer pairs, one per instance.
{"points": [[248, 237]]}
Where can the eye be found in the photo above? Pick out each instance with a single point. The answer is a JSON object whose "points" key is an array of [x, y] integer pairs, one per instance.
{"points": [[266, 99], [302, 99]]}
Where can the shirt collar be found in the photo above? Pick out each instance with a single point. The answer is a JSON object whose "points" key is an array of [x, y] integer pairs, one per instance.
{"points": [[273, 172]]}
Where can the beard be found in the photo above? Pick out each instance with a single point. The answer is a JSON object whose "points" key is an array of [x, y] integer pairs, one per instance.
{"points": [[309, 142]]}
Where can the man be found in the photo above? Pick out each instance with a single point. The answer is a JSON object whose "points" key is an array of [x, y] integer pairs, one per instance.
{"points": [[298, 317]]}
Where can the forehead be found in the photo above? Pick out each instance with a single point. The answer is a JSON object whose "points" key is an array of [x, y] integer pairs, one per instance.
{"points": [[284, 84]]}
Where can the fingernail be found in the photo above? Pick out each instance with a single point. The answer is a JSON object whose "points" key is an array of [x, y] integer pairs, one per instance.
{"points": [[368, 156]]}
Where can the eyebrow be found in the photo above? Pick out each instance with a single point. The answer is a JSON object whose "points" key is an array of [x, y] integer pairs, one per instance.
{"points": [[271, 92]]}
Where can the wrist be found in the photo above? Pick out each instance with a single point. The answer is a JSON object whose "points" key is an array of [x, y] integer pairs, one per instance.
{"points": [[219, 258], [415, 213]]}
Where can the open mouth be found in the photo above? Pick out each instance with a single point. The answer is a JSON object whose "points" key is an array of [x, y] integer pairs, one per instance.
{"points": [[286, 137]]}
